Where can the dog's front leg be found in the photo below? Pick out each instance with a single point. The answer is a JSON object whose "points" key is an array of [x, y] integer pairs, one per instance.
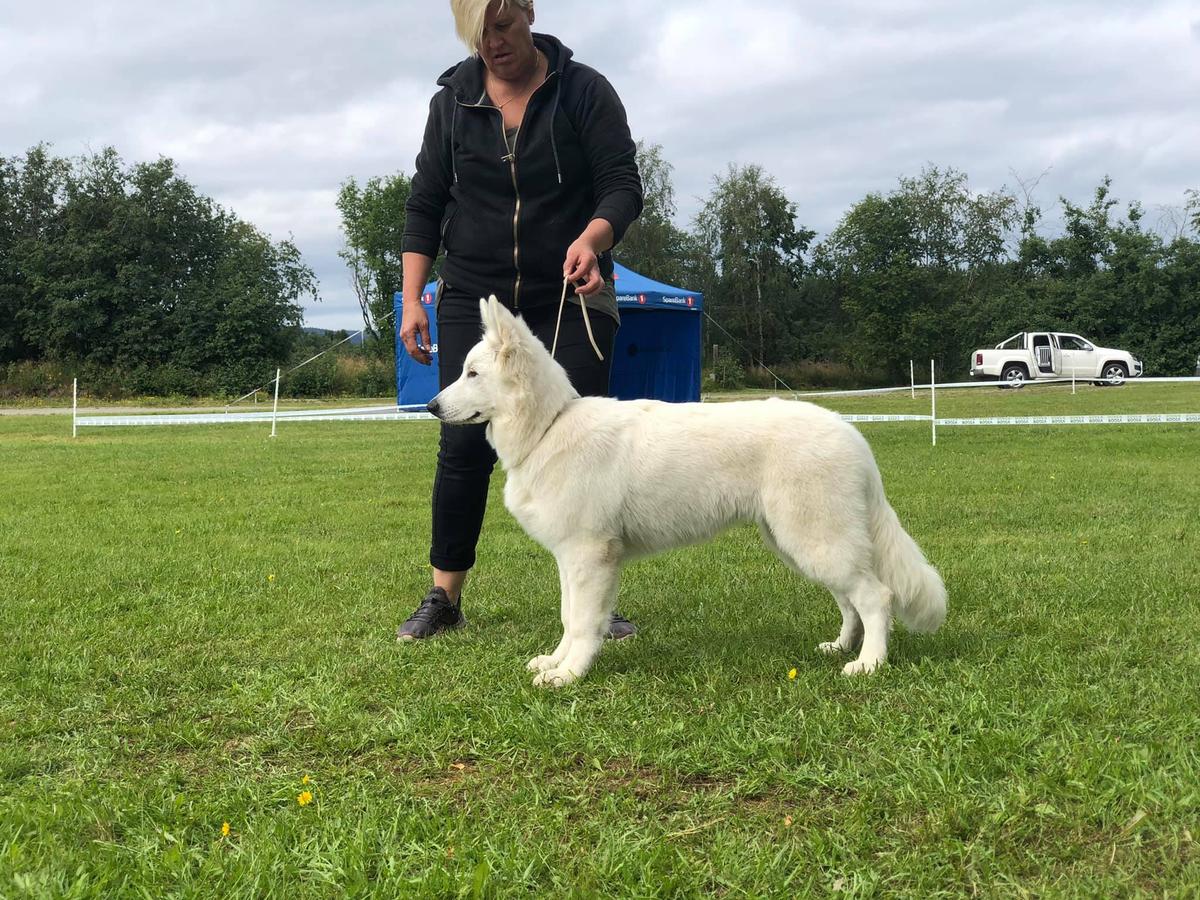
{"points": [[551, 660], [592, 572]]}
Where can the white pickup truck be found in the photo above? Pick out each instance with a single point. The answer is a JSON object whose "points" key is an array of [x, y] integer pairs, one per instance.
{"points": [[1034, 355]]}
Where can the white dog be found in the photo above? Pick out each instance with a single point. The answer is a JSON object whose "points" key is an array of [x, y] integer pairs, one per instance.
{"points": [[599, 482]]}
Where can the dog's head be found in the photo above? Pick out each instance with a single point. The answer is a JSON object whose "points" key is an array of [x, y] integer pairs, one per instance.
{"points": [[497, 371]]}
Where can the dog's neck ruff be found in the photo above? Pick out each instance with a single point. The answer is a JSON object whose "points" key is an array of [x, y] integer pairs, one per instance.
{"points": [[531, 392], [524, 445]]}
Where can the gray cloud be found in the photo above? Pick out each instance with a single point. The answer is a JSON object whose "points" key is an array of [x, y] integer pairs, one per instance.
{"points": [[269, 107]]}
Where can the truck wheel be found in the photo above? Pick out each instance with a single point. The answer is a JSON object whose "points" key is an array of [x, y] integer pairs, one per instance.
{"points": [[1115, 374], [1014, 376]]}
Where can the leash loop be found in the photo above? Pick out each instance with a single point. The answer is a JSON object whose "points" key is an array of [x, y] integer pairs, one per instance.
{"points": [[587, 323]]}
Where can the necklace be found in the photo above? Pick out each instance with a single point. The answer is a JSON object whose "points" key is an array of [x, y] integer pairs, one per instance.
{"points": [[529, 85]]}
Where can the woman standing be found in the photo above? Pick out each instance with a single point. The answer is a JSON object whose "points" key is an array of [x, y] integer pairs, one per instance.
{"points": [[527, 176]]}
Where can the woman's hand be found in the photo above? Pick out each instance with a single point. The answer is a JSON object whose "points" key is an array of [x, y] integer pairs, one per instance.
{"points": [[414, 324], [581, 267]]}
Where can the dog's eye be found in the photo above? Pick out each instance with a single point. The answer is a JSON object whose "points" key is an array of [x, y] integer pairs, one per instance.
{"points": [[471, 373]]}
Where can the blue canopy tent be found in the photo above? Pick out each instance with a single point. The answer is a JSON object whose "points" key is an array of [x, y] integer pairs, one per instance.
{"points": [[657, 352], [656, 355]]}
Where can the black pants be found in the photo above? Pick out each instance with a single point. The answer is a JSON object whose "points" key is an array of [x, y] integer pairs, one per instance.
{"points": [[465, 458]]}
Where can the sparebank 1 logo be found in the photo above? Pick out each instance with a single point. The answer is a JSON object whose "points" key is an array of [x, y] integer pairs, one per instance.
{"points": [[427, 299], [691, 301], [642, 299]]}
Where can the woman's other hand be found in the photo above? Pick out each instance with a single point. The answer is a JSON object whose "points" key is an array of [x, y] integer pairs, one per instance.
{"points": [[414, 331]]}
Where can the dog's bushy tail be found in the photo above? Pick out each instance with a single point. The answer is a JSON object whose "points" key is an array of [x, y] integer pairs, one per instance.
{"points": [[918, 592]]}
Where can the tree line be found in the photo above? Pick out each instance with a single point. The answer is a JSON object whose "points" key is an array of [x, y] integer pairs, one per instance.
{"points": [[930, 269], [127, 274], [107, 267]]}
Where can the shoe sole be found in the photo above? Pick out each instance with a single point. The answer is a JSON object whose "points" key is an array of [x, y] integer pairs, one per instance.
{"points": [[408, 638]]}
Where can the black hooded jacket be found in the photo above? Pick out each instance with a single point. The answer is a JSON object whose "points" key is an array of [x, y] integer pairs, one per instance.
{"points": [[504, 220]]}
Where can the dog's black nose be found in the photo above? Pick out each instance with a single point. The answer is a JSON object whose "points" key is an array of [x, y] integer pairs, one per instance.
{"points": [[433, 406]]}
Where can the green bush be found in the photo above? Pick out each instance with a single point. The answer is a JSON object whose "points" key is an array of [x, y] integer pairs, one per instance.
{"points": [[314, 379], [165, 381], [35, 379], [50, 380], [809, 375], [367, 376], [728, 374], [353, 374]]}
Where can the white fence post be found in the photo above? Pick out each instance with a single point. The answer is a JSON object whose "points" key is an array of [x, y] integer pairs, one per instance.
{"points": [[933, 402], [912, 379], [74, 407], [275, 409]]}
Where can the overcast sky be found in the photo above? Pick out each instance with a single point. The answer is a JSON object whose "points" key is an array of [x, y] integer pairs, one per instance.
{"points": [[268, 106]]}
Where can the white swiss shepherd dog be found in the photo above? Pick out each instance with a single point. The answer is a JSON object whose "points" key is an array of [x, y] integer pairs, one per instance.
{"points": [[599, 482]]}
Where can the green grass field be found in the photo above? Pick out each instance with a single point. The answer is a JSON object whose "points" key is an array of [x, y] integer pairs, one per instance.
{"points": [[196, 620]]}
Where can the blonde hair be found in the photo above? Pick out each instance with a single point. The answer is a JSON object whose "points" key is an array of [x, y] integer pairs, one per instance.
{"points": [[470, 14]]}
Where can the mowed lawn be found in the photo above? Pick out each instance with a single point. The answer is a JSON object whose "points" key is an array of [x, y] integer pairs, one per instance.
{"points": [[197, 628]]}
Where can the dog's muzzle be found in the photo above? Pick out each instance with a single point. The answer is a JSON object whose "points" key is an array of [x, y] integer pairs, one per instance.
{"points": [[435, 408]]}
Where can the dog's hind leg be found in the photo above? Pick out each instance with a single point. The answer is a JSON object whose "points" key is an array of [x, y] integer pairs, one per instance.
{"points": [[550, 660], [873, 603], [851, 634], [832, 552], [593, 572]]}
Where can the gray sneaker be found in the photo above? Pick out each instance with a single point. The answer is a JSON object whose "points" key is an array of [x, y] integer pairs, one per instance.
{"points": [[620, 628], [435, 615]]}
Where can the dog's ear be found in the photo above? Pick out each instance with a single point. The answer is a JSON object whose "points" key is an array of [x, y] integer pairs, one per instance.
{"points": [[485, 314], [489, 318], [501, 329], [497, 320]]}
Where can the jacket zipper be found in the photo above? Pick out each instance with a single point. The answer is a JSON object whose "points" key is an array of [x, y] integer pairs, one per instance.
{"points": [[511, 157], [512, 164]]}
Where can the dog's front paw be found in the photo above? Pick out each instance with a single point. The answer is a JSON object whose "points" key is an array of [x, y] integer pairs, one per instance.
{"points": [[540, 663], [554, 678], [861, 666], [831, 648]]}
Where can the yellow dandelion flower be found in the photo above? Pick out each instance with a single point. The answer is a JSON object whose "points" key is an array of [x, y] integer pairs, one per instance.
{"points": [[224, 829], [792, 674], [271, 577], [787, 821], [305, 798], [304, 780]]}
